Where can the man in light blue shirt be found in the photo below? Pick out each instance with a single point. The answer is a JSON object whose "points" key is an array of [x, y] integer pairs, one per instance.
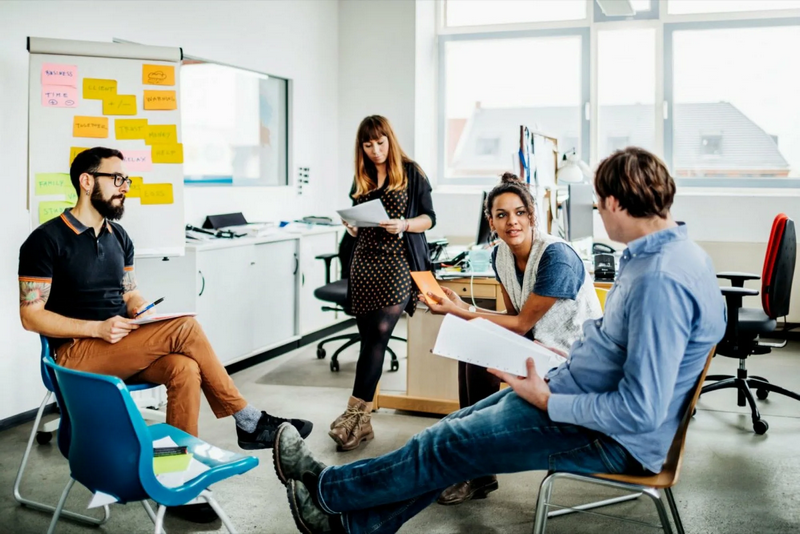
{"points": [[613, 406]]}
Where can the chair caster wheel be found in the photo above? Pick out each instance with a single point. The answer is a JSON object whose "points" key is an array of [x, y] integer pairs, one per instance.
{"points": [[43, 438], [761, 393], [394, 366], [334, 366], [320, 353], [694, 412], [760, 427]]}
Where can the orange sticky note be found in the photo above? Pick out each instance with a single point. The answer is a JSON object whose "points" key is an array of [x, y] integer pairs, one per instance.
{"points": [[167, 153], [158, 75], [426, 283], [161, 134], [99, 89], [74, 151], [160, 100], [90, 127], [119, 105], [135, 190], [156, 194], [130, 128]]}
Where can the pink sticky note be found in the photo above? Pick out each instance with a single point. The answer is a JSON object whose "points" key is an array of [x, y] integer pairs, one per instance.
{"points": [[137, 160], [56, 74], [59, 96]]}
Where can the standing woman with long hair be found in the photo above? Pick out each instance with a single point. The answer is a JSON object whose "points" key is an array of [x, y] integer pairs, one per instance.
{"points": [[380, 280]]}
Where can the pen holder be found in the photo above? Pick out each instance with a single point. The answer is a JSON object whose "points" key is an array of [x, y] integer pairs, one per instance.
{"points": [[479, 260]]}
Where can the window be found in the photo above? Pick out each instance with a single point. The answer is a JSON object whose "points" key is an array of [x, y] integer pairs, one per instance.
{"points": [[475, 13], [642, 10], [487, 146], [711, 144], [685, 7]]}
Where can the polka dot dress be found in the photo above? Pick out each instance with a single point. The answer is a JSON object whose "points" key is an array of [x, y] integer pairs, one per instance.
{"points": [[379, 274]]}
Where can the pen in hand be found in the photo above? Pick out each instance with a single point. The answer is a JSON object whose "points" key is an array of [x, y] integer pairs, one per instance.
{"points": [[151, 305]]}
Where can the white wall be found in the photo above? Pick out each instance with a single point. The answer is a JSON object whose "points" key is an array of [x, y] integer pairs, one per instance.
{"points": [[297, 40]]}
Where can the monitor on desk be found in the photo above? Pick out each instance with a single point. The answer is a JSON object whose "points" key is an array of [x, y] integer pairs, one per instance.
{"points": [[579, 212], [484, 232]]}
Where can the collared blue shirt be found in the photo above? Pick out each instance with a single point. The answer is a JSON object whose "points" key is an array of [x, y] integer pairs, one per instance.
{"points": [[631, 374]]}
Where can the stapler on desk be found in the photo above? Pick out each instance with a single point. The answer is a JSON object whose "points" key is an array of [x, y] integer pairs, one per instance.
{"points": [[604, 268]]}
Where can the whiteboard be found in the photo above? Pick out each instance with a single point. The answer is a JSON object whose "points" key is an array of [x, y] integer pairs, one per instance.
{"points": [[157, 229]]}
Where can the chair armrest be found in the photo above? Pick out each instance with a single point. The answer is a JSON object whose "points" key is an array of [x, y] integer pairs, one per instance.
{"points": [[327, 258], [737, 279], [733, 301]]}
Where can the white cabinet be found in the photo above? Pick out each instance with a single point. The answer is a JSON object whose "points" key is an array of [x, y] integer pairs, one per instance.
{"points": [[312, 271], [274, 289]]}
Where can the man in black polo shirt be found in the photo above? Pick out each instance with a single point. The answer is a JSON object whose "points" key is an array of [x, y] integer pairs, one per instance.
{"points": [[77, 287]]}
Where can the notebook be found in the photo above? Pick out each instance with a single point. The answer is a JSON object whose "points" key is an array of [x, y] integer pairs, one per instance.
{"points": [[147, 319]]}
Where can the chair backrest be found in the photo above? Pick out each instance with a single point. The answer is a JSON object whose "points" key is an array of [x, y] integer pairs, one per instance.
{"points": [[346, 248], [776, 278], [46, 379], [109, 440], [602, 293]]}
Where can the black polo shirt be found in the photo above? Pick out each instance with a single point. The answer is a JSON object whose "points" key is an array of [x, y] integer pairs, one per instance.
{"points": [[85, 271]]}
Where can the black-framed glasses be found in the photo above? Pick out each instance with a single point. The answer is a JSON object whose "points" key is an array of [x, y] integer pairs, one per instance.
{"points": [[119, 179]]}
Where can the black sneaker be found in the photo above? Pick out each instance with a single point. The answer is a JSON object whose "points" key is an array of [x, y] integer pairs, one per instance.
{"points": [[195, 513], [264, 435]]}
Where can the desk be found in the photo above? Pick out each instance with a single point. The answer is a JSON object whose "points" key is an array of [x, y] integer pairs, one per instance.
{"points": [[432, 381]]}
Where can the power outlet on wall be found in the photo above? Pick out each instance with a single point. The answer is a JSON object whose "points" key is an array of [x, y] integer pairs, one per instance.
{"points": [[302, 178]]}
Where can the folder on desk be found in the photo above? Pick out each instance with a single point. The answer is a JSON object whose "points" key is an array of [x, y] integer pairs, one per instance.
{"points": [[481, 342], [426, 283]]}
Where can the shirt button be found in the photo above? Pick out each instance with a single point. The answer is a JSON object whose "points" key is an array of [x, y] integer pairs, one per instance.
{"points": [[597, 323]]}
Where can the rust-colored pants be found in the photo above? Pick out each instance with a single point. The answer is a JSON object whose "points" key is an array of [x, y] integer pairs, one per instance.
{"points": [[175, 353]]}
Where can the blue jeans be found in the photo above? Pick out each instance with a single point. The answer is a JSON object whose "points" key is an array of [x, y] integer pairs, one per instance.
{"points": [[500, 434]]}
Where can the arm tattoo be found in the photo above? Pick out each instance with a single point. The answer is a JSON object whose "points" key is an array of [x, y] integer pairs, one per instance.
{"points": [[128, 282], [31, 293]]}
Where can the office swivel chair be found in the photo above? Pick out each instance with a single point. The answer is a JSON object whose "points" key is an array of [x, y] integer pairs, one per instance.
{"points": [[336, 293], [746, 325]]}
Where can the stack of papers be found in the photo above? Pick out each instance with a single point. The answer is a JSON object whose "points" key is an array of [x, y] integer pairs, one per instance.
{"points": [[177, 478], [481, 342], [368, 214]]}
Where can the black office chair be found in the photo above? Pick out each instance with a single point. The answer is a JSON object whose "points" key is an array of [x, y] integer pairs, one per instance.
{"points": [[336, 293], [745, 325]]}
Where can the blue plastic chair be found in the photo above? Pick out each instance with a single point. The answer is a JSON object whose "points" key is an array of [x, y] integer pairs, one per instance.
{"points": [[43, 436], [110, 448]]}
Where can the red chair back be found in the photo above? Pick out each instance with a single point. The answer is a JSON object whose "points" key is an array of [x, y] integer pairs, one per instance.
{"points": [[776, 286]]}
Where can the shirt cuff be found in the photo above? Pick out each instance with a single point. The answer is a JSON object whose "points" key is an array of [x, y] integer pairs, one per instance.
{"points": [[559, 408]]}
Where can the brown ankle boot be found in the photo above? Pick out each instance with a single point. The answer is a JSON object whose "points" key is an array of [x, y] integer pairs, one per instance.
{"points": [[353, 426], [352, 401]]}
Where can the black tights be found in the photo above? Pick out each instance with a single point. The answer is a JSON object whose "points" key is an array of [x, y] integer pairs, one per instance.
{"points": [[375, 328]]}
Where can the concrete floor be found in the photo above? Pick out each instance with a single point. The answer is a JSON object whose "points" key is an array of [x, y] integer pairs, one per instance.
{"points": [[732, 481]]}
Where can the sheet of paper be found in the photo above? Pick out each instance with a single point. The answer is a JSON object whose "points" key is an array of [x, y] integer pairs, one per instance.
{"points": [[96, 127], [119, 105], [480, 344], [135, 190], [51, 209], [156, 194], [368, 214], [99, 89], [101, 499], [161, 317], [161, 133], [164, 442], [74, 151], [59, 96], [160, 100], [130, 128], [137, 160], [168, 153], [173, 480], [58, 74], [158, 74], [52, 183], [426, 283]]}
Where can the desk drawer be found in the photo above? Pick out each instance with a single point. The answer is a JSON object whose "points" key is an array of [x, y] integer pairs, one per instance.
{"points": [[479, 291]]}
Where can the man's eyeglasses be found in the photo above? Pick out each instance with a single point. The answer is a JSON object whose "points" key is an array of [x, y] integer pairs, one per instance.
{"points": [[119, 179]]}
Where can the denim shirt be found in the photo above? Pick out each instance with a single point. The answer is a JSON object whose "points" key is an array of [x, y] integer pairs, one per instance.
{"points": [[631, 374]]}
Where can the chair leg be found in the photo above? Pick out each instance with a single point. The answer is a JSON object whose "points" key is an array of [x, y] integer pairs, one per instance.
{"points": [[676, 516], [662, 512], [151, 514], [399, 339], [545, 490], [220, 512], [60, 506], [348, 337], [754, 383], [744, 390], [350, 343], [160, 519], [726, 383]]}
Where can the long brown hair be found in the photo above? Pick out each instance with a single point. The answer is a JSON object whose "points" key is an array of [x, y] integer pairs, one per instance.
{"points": [[372, 128]]}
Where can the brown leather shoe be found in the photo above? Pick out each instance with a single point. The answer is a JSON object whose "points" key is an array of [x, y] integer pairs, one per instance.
{"points": [[471, 489], [352, 401], [353, 427]]}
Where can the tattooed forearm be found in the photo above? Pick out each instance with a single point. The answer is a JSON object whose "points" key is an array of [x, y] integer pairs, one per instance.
{"points": [[31, 293], [128, 282]]}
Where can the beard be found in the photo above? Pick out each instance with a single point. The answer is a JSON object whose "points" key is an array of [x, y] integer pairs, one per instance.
{"points": [[106, 208]]}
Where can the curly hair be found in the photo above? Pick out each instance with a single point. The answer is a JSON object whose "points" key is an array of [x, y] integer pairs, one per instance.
{"points": [[510, 183]]}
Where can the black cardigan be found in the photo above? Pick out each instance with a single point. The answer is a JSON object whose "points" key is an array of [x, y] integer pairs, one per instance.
{"points": [[419, 203]]}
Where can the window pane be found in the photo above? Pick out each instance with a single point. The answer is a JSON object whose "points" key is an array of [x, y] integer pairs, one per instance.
{"points": [[685, 7], [736, 109], [494, 86], [626, 90], [480, 12]]}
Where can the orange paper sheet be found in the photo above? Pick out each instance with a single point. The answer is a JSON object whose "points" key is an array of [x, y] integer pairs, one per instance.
{"points": [[130, 128], [426, 283], [90, 127], [160, 100], [119, 105], [158, 75], [74, 151]]}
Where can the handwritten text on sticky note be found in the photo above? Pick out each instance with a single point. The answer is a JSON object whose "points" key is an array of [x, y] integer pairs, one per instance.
{"points": [[56, 74], [160, 100], [59, 96], [119, 105], [130, 128], [52, 209], [98, 89], [90, 127], [52, 183], [161, 133], [135, 190], [137, 160], [74, 151], [157, 194], [158, 75], [168, 153]]}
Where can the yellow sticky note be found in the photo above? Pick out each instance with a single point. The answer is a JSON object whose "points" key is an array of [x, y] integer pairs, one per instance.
{"points": [[135, 190], [171, 464], [71, 195], [119, 105], [52, 209], [90, 127], [156, 194], [130, 128], [160, 100], [167, 153], [52, 183], [161, 134], [158, 75], [74, 151], [98, 89]]}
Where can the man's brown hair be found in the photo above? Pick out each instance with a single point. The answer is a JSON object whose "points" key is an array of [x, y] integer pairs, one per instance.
{"points": [[639, 180]]}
